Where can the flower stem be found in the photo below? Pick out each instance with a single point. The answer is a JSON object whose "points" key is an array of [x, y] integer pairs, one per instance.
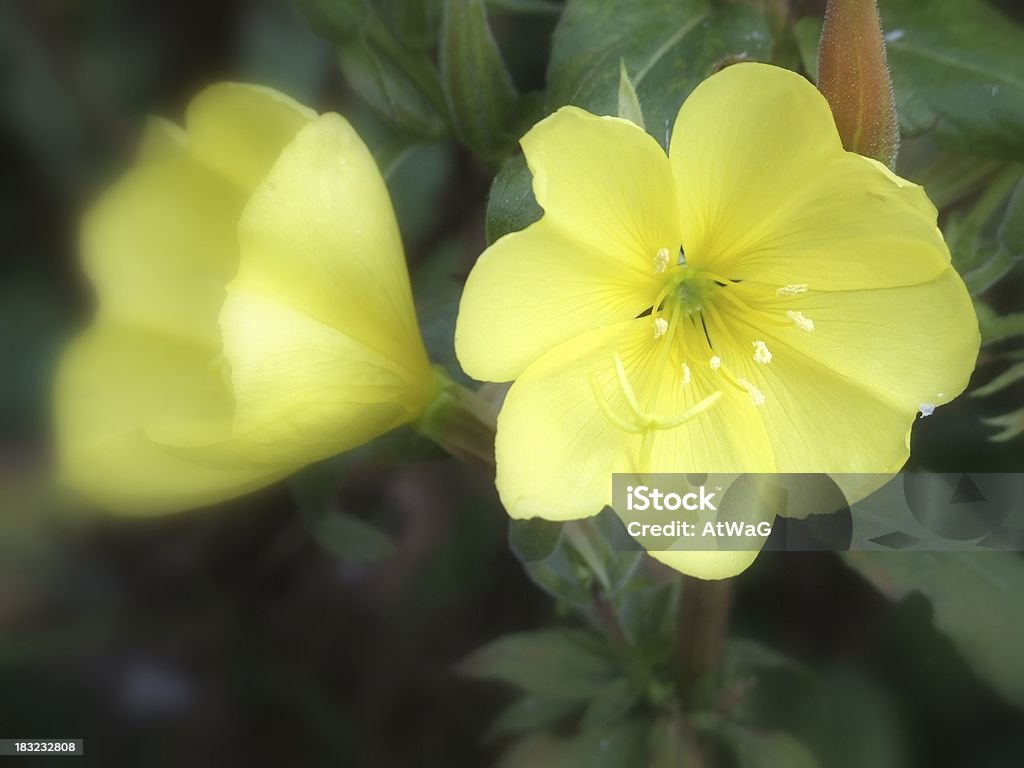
{"points": [[460, 421], [703, 626]]}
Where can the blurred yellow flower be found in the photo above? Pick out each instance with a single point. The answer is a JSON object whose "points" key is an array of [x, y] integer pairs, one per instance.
{"points": [[254, 309], [759, 300]]}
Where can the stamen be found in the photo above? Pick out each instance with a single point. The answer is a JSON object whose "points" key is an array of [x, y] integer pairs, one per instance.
{"points": [[715, 362], [762, 354], [802, 322], [661, 260], [792, 290], [687, 376], [926, 409], [756, 395], [660, 327], [627, 388]]}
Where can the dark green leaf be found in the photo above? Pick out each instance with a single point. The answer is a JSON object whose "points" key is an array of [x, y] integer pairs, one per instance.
{"points": [[549, 663], [668, 47], [336, 20], [1010, 376], [975, 600], [767, 749], [1011, 425], [401, 84], [479, 90], [530, 714], [610, 704], [511, 205], [532, 540]]}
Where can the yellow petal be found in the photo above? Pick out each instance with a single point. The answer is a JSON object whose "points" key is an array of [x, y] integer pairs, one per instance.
{"points": [[239, 130], [907, 346], [319, 325], [609, 208], [767, 193], [161, 245], [119, 386], [534, 289], [558, 444], [306, 390]]}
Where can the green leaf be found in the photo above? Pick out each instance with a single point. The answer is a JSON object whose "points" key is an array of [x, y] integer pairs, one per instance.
{"points": [[610, 704], [767, 749], [563, 664], [336, 20], [975, 600], [532, 540], [629, 103], [543, 7], [996, 327], [1010, 424], [401, 84], [807, 32], [511, 205], [1010, 376], [530, 714], [478, 88], [341, 534], [669, 46], [957, 71]]}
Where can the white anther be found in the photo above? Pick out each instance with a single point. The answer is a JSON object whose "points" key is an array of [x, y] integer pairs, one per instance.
{"points": [[926, 409], [687, 376], [715, 362], [792, 290], [756, 395], [661, 260], [802, 322], [762, 354], [660, 327]]}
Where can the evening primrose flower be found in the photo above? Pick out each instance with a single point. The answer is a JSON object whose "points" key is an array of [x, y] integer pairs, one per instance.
{"points": [[254, 309], [758, 300]]}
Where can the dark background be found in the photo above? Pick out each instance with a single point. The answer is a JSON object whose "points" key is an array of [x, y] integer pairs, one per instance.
{"points": [[230, 636]]}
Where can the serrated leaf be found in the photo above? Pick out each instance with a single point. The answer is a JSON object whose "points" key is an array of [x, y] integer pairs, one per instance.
{"points": [[511, 205], [564, 664], [668, 46], [975, 599], [481, 96]]}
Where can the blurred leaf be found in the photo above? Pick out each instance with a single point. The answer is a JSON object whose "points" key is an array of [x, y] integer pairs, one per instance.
{"points": [[669, 745], [622, 745], [477, 85], [768, 749], [400, 83], [562, 576], [957, 71], [530, 714], [742, 658], [563, 664], [975, 599], [538, 749], [546, 7], [336, 20], [532, 540], [339, 533], [996, 327], [416, 22], [629, 103], [1011, 425], [511, 205], [610, 704], [668, 46], [849, 721], [1010, 376]]}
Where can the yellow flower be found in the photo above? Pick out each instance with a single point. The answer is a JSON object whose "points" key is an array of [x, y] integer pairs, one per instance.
{"points": [[254, 309], [759, 300]]}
